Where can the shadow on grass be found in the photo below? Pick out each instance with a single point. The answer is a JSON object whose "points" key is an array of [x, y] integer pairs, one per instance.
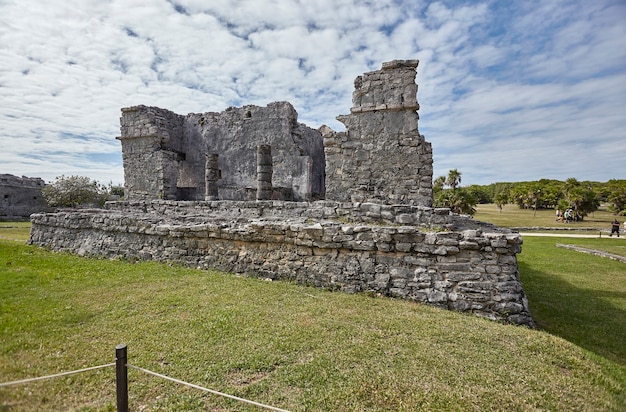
{"points": [[582, 316]]}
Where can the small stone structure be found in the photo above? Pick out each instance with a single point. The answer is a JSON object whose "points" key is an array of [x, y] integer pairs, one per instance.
{"points": [[21, 196], [376, 230]]}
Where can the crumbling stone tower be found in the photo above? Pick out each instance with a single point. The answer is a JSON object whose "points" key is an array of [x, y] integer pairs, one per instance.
{"points": [[381, 157]]}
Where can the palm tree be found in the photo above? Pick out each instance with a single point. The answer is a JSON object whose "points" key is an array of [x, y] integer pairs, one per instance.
{"points": [[454, 178], [439, 183], [570, 189], [535, 195], [501, 199]]}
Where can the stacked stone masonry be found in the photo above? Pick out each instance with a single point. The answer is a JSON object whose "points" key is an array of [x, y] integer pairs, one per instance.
{"points": [[381, 157], [196, 187], [416, 253], [164, 153]]}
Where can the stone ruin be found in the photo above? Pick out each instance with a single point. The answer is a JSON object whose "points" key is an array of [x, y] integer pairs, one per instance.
{"points": [[214, 155], [250, 190], [21, 196]]}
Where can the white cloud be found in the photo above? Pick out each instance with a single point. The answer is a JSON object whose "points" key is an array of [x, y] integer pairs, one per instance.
{"points": [[508, 91]]}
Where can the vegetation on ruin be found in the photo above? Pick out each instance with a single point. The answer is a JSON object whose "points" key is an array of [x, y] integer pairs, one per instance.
{"points": [[300, 348]]}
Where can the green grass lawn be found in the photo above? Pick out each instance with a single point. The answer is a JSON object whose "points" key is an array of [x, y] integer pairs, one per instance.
{"points": [[513, 216], [577, 296], [300, 348], [19, 231]]}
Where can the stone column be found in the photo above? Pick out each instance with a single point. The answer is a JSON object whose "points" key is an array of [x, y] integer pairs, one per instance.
{"points": [[212, 174], [264, 171]]}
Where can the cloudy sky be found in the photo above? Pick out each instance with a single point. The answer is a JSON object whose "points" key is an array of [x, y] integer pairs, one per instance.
{"points": [[509, 90]]}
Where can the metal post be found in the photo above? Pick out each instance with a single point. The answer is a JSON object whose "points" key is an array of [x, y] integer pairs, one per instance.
{"points": [[121, 378]]}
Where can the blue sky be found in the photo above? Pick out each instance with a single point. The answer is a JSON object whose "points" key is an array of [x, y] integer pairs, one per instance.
{"points": [[509, 90]]}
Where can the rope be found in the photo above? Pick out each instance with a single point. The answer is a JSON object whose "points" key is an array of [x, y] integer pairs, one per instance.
{"points": [[56, 375], [206, 389]]}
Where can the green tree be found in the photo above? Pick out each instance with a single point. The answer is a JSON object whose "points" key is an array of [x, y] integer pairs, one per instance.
{"points": [[501, 199], [551, 192], [521, 195], [115, 191], [581, 197], [615, 194], [439, 183], [74, 191], [459, 200], [480, 193], [454, 179]]}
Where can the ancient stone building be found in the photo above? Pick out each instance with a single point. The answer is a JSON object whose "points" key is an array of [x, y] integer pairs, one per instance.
{"points": [[21, 196], [376, 230], [166, 155], [381, 157]]}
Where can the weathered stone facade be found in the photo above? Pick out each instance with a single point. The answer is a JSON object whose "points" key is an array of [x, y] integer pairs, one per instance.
{"points": [[21, 196], [376, 231], [381, 157], [165, 154]]}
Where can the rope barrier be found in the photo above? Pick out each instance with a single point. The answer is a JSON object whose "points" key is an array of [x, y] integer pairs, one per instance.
{"points": [[58, 375], [149, 372], [206, 389]]}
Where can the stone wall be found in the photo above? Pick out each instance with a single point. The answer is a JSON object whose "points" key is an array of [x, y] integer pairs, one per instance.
{"points": [[381, 157], [164, 153], [361, 213], [21, 196], [436, 257], [150, 137]]}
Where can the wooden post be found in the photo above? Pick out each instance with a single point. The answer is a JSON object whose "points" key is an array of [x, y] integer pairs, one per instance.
{"points": [[121, 378]]}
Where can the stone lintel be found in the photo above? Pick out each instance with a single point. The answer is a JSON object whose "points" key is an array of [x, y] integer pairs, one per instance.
{"points": [[394, 64]]}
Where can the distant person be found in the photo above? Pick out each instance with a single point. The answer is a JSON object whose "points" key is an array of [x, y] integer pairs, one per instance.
{"points": [[569, 215], [559, 215], [615, 228]]}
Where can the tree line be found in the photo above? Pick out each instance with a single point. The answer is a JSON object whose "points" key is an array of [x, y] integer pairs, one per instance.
{"points": [[583, 197]]}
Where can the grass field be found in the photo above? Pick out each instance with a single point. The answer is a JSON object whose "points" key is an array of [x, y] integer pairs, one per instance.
{"points": [[512, 216], [299, 348]]}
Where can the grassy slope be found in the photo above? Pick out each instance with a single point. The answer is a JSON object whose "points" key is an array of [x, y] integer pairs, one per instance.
{"points": [[579, 297], [294, 347]]}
